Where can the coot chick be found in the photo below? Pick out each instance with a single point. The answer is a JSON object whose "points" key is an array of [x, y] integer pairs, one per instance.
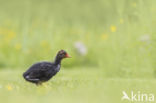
{"points": [[43, 71]]}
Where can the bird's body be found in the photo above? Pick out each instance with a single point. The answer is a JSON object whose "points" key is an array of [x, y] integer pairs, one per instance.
{"points": [[43, 71]]}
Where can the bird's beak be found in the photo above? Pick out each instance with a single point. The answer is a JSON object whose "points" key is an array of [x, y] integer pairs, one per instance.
{"points": [[67, 56]]}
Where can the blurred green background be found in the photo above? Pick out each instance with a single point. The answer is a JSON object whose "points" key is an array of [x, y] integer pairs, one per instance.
{"points": [[111, 42]]}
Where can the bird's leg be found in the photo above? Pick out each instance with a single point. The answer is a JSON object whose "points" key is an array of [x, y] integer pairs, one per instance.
{"points": [[39, 83]]}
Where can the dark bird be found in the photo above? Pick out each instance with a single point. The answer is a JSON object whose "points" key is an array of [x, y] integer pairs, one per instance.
{"points": [[44, 71]]}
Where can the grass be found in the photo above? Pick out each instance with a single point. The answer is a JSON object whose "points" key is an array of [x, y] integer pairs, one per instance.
{"points": [[119, 36], [113, 33], [76, 85]]}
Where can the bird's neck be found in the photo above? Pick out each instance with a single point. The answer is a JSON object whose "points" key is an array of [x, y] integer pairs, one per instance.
{"points": [[57, 60]]}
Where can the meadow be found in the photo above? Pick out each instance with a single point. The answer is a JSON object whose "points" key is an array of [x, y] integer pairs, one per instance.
{"points": [[118, 37]]}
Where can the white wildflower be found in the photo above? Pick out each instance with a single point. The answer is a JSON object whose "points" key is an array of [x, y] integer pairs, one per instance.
{"points": [[80, 48], [145, 38]]}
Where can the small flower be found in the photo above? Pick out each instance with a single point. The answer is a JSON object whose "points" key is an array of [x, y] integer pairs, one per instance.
{"points": [[44, 43], [9, 36], [113, 28], [104, 36], [134, 4], [0, 86], [18, 46], [145, 38], [81, 48], [9, 87], [121, 21]]}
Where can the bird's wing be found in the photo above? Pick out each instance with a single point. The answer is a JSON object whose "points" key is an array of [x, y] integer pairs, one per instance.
{"points": [[39, 70]]}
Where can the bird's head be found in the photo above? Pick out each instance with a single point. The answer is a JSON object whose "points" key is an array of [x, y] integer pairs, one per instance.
{"points": [[62, 54]]}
